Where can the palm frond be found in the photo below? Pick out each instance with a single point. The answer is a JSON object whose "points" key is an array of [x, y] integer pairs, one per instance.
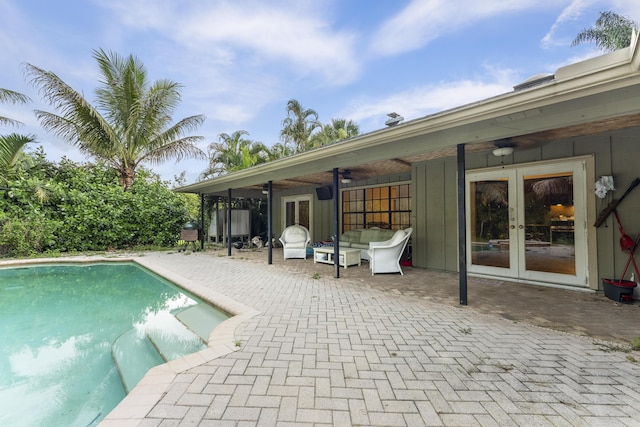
{"points": [[79, 123], [610, 32], [10, 147], [6, 121], [7, 95], [178, 149]]}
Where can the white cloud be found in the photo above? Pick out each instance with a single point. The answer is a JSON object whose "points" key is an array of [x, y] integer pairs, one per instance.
{"points": [[424, 20], [570, 13], [428, 99], [250, 33]]}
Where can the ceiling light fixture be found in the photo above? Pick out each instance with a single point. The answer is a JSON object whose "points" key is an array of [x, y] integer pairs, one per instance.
{"points": [[265, 189], [346, 176], [503, 148]]}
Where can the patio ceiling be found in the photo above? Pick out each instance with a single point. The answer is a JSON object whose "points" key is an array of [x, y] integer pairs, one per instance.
{"points": [[588, 98]]}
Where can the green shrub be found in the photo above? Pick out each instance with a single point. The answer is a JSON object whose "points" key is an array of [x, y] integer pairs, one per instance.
{"points": [[85, 209], [24, 237]]}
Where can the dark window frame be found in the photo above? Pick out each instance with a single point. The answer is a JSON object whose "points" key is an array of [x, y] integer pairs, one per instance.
{"points": [[368, 207]]}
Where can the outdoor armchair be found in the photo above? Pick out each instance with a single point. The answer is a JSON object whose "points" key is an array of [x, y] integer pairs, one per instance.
{"points": [[384, 257], [295, 239]]}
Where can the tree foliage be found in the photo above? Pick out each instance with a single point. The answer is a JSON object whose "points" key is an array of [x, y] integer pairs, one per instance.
{"points": [[335, 131], [610, 32], [298, 126], [86, 210], [131, 121], [11, 145], [301, 132], [234, 152]]}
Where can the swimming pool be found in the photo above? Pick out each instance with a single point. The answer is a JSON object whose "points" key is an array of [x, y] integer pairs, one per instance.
{"points": [[75, 338]]}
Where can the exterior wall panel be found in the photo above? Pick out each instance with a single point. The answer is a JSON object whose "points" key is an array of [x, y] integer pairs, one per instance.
{"points": [[419, 216], [451, 214], [435, 216], [435, 197]]}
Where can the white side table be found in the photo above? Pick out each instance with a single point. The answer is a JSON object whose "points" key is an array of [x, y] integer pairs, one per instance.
{"points": [[348, 256]]}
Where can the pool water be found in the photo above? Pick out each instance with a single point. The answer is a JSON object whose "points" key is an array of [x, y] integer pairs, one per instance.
{"points": [[74, 339]]}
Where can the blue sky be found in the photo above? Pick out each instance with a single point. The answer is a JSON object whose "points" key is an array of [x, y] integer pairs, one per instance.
{"points": [[240, 61]]}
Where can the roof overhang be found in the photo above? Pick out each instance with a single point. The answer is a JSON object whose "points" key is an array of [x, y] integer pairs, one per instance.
{"points": [[593, 96]]}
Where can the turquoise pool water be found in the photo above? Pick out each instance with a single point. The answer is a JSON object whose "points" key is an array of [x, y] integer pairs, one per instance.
{"points": [[61, 326]]}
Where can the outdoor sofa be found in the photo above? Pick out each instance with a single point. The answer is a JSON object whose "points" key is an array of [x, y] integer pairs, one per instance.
{"points": [[361, 238]]}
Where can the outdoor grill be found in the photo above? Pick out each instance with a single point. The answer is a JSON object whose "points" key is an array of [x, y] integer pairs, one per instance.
{"points": [[190, 234]]}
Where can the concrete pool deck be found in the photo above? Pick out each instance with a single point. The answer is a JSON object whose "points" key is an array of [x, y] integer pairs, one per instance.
{"points": [[388, 350]]}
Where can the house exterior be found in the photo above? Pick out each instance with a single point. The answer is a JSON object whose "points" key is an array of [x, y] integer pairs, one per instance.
{"points": [[526, 216]]}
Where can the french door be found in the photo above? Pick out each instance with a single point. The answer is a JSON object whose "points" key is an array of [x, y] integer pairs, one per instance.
{"points": [[528, 223], [297, 210]]}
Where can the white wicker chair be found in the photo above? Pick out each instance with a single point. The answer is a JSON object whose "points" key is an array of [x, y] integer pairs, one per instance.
{"points": [[384, 257], [295, 239]]}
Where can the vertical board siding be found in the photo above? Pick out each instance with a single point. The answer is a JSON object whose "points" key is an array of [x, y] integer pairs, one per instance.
{"points": [[624, 168], [420, 254], [434, 197], [451, 214], [435, 216]]}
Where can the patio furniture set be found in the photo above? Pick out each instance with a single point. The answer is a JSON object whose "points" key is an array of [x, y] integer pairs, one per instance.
{"points": [[382, 248]]}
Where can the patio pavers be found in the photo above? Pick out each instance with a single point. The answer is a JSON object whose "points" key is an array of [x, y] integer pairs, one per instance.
{"points": [[394, 350]]}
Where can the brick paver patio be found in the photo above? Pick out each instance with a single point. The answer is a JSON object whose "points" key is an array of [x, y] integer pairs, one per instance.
{"points": [[361, 351]]}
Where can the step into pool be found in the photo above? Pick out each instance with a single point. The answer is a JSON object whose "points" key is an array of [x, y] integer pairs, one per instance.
{"points": [[74, 339]]}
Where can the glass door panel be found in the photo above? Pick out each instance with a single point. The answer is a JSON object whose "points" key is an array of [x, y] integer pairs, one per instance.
{"points": [[289, 213], [490, 223], [549, 223], [492, 248], [553, 223], [303, 213]]}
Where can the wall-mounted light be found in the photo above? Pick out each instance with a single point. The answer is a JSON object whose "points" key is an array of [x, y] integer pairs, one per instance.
{"points": [[503, 148], [346, 176], [265, 189]]}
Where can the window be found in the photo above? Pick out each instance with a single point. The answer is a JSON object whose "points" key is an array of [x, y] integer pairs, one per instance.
{"points": [[385, 207]]}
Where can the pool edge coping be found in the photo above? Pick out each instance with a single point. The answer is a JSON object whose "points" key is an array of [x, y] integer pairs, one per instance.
{"points": [[136, 405]]}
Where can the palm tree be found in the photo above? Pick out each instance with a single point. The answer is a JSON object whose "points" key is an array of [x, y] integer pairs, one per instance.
{"points": [[335, 131], [130, 122], [234, 152], [11, 145], [610, 32], [299, 125]]}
